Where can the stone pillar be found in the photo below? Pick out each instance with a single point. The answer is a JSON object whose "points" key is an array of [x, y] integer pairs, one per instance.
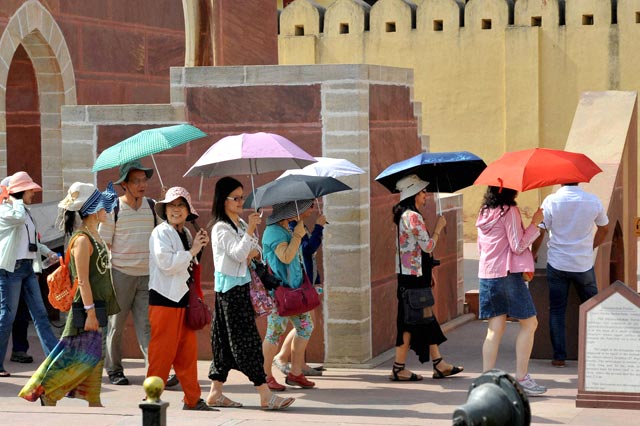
{"points": [[346, 246]]}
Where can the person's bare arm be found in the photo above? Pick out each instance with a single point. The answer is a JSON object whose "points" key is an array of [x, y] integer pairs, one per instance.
{"points": [[601, 234], [536, 245], [81, 251]]}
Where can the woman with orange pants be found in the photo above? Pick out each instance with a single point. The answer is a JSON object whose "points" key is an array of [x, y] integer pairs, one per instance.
{"points": [[172, 250]]}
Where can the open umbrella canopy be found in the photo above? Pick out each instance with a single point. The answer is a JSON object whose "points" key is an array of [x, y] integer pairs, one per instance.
{"points": [[445, 171], [249, 154], [326, 166], [538, 167], [146, 142], [293, 188]]}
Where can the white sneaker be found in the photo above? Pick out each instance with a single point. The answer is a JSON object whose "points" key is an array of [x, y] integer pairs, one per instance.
{"points": [[531, 387]]}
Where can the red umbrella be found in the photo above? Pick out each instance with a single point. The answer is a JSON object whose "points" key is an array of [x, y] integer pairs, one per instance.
{"points": [[538, 167]]}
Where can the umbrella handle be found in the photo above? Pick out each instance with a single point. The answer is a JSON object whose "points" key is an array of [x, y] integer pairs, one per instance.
{"points": [[157, 171]]}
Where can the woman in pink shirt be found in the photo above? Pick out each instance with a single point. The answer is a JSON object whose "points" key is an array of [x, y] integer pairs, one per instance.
{"points": [[506, 263]]}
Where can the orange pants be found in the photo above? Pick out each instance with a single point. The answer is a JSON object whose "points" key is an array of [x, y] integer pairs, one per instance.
{"points": [[173, 343]]}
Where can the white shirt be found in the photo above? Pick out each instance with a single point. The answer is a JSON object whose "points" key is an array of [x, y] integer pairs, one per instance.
{"points": [[168, 262], [569, 216]]}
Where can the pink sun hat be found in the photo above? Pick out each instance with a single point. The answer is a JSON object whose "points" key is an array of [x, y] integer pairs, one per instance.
{"points": [[21, 181]]}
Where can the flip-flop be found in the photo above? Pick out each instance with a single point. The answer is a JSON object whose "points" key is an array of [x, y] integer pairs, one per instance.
{"points": [[4, 373], [277, 403], [225, 402]]}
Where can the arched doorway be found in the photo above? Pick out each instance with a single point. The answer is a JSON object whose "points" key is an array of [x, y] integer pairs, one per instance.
{"points": [[23, 119], [616, 262]]}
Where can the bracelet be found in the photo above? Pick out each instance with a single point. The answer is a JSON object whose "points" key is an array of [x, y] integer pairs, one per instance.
{"points": [[89, 307]]}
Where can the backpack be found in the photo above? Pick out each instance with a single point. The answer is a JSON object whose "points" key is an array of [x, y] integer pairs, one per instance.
{"points": [[151, 202], [61, 291]]}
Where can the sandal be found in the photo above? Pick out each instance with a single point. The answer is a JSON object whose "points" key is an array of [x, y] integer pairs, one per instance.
{"points": [[277, 403], [397, 367], [4, 373], [437, 374], [225, 402]]}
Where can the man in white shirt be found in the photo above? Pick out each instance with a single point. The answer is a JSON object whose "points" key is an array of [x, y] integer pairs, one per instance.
{"points": [[127, 233], [569, 217]]}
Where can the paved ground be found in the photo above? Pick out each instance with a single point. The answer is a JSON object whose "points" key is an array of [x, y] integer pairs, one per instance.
{"points": [[342, 397]]}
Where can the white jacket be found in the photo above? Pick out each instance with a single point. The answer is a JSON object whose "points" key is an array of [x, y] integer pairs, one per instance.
{"points": [[12, 219], [231, 248], [168, 262]]}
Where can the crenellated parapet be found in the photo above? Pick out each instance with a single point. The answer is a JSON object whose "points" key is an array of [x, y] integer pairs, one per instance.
{"points": [[393, 16], [302, 18], [347, 17], [306, 17], [536, 13]]}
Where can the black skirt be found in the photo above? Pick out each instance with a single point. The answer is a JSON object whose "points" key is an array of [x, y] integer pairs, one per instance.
{"points": [[422, 335], [235, 341]]}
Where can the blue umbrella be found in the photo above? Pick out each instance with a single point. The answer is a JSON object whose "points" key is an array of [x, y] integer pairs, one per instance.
{"points": [[445, 171]]}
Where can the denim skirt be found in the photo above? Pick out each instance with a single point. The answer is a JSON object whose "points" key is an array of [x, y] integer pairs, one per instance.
{"points": [[506, 295]]}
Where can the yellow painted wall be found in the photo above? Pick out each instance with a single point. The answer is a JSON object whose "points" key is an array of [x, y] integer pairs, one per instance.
{"points": [[510, 87]]}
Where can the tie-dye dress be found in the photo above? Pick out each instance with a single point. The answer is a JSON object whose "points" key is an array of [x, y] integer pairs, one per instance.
{"points": [[74, 367]]}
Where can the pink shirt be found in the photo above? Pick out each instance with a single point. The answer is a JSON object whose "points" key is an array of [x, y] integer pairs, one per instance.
{"points": [[503, 243]]}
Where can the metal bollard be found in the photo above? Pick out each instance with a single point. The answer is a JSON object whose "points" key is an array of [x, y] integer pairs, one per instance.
{"points": [[154, 411]]}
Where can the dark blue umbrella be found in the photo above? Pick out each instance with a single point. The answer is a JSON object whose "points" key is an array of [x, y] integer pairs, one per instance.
{"points": [[445, 171]]}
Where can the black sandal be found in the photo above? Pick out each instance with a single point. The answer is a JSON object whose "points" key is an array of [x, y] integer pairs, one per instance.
{"points": [[397, 367], [437, 374]]}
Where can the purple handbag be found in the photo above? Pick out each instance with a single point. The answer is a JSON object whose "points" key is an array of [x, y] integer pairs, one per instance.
{"points": [[262, 302]]}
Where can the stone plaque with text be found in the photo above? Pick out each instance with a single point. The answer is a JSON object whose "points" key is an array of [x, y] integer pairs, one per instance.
{"points": [[609, 349]]}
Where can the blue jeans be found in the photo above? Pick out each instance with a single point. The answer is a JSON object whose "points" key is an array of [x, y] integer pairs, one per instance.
{"points": [[559, 281], [22, 279]]}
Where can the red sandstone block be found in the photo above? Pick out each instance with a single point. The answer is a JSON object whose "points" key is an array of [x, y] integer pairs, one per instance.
{"points": [[237, 46], [119, 50], [255, 104], [163, 14], [164, 51], [89, 9]]}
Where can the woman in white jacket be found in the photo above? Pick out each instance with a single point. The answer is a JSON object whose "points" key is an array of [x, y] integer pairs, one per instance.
{"points": [[235, 340], [171, 251]]}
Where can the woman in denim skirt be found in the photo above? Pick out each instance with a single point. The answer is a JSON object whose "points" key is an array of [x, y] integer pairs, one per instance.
{"points": [[505, 264]]}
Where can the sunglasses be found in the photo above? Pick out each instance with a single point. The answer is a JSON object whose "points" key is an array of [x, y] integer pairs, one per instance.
{"points": [[236, 199]]}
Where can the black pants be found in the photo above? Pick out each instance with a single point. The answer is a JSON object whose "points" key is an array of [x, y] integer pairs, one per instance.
{"points": [[236, 343]]}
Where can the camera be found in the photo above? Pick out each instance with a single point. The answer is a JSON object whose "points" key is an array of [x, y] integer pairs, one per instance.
{"points": [[33, 247]]}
